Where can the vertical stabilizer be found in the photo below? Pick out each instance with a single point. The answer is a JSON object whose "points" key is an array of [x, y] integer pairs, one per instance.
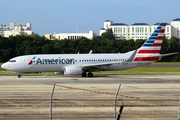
{"points": [[151, 46]]}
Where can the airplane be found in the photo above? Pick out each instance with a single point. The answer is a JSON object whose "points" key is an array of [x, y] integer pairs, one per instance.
{"points": [[81, 64]]}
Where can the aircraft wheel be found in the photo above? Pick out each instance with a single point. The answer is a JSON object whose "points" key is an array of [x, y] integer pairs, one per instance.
{"points": [[84, 74], [19, 76], [90, 74]]}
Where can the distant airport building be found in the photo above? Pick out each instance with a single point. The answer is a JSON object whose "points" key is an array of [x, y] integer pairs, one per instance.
{"points": [[140, 30], [70, 36], [15, 29]]}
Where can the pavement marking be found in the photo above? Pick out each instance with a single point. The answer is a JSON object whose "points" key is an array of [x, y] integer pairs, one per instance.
{"points": [[82, 89]]}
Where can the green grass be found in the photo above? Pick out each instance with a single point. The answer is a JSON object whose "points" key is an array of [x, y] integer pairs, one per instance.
{"points": [[144, 70]]}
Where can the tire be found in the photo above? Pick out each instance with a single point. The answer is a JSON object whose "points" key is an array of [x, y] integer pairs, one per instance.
{"points": [[84, 74], [90, 74], [19, 76]]}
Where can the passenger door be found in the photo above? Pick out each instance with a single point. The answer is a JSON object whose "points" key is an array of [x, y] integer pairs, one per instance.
{"points": [[25, 62]]}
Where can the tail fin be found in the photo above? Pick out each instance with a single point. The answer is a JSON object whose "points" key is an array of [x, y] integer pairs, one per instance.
{"points": [[151, 46]]}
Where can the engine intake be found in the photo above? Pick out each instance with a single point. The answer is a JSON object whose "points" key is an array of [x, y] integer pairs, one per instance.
{"points": [[73, 70]]}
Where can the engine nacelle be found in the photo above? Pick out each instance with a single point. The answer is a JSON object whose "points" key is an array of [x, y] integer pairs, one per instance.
{"points": [[73, 70]]}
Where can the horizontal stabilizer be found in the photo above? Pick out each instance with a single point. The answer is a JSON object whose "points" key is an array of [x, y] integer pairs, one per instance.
{"points": [[163, 55]]}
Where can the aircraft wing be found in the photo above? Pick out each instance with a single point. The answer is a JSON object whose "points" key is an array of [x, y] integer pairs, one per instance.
{"points": [[99, 65]]}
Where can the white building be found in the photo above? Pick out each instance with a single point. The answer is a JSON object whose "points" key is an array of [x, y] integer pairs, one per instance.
{"points": [[175, 29], [140, 30], [70, 36], [15, 29]]}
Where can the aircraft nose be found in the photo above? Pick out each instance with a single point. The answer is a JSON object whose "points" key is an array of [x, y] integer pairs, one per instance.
{"points": [[4, 66]]}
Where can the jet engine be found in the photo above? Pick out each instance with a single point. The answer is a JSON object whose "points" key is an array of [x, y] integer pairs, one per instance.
{"points": [[73, 70]]}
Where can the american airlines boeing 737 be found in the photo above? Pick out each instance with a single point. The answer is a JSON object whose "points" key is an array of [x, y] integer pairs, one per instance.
{"points": [[81, 64]]}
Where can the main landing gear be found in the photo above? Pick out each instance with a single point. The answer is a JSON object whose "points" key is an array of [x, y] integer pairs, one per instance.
{"points": [[84, 74]]}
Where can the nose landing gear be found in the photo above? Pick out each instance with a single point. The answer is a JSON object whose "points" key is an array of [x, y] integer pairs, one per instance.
{"points": [[19, 75]]}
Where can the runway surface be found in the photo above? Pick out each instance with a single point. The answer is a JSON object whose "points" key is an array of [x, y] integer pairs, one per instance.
{"points": [[146, 97]]}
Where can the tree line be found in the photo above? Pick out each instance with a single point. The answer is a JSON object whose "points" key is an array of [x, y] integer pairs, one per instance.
{"points": [[35, 44]]}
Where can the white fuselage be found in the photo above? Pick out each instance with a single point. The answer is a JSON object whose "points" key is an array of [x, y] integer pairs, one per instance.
{"points": [[57, 62]]}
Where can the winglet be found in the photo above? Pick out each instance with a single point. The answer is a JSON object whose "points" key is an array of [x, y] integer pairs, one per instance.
{"points": [[90, 52], [131, 58]]}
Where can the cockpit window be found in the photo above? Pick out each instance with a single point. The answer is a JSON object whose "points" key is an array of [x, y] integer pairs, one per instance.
{"points": [[12, 61]]}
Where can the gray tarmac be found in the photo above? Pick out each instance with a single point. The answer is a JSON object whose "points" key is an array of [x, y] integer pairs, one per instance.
{"points": [[146, 97]]}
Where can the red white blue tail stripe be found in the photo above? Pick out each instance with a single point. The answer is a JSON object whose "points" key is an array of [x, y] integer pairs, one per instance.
{"points": [[152, 46]]}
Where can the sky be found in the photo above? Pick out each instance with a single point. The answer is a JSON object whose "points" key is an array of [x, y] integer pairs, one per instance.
{"points": [[70, 16]]}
